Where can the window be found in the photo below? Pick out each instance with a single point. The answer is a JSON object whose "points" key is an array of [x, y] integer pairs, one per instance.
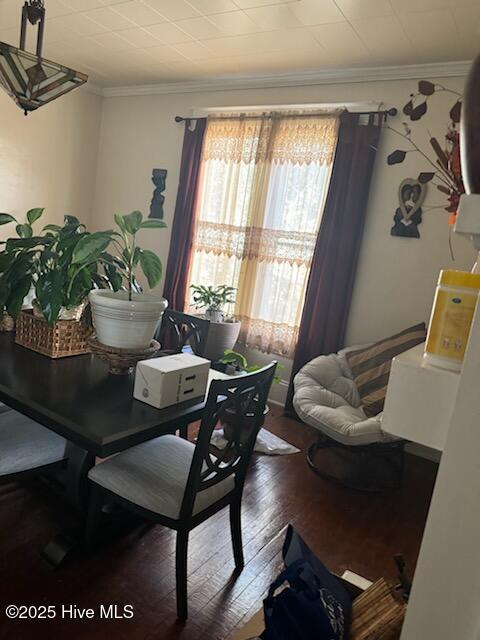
{"points": [[262, 188]]}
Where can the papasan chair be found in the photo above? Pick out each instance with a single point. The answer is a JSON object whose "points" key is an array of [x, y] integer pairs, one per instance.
{"points": [[352, 449]]}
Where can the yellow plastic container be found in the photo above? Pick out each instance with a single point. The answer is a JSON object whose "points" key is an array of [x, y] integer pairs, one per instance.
{"points": [[452, 314]]}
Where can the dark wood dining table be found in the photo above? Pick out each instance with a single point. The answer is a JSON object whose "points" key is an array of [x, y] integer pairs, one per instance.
{"points": [[92, 409]]}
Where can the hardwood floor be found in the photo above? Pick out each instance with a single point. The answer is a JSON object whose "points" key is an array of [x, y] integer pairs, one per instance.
{"points": [[345, 528]]}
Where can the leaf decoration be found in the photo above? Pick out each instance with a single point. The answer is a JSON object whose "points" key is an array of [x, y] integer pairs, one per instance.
{"points": [[426, 88], [443, 189], [419, 111], [408, 108], [456, 112], [426, 176], [396, 157], [441, 155]]}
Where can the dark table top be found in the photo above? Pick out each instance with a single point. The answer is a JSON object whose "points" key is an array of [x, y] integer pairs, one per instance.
{"points": [[77, 398]]}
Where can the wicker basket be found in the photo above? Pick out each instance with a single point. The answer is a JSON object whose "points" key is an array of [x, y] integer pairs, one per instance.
{"points": [[62, 339], [376, 614]]}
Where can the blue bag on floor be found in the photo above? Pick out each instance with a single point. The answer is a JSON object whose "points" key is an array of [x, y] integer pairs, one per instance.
{"points": [[314, 605]]}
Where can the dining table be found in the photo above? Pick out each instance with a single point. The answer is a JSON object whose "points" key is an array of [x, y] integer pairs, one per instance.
{"points": [[94, 410]]}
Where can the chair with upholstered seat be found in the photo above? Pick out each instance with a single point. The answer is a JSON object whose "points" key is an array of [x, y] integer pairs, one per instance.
{"points": [[173, 482], [26, 446], [352, 448]]}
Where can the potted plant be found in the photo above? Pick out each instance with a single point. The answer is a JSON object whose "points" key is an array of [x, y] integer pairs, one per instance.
{"points": [[45, 264], [236, 363], [223, 332], [124, 316]]}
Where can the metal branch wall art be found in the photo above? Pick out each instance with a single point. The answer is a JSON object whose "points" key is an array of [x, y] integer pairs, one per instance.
{"points": [[443, 159]]}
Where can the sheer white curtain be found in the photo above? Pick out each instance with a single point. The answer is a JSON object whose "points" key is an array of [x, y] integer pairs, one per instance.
{"points": [[262, 189]]}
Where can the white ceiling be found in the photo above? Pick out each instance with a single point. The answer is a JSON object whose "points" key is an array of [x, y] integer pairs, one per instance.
{"points": [[133, 42]]}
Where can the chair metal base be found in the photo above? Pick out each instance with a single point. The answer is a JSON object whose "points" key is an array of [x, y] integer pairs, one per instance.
{"points": [[370, 468]]}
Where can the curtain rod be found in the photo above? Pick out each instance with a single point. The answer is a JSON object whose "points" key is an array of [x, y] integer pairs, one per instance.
{"points": [[386, 112]]}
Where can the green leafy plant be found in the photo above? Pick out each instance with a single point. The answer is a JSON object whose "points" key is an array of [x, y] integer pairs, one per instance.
{"points": [[63, 263], [44, 262], [212, 298], [240, 363], [120, 266]]}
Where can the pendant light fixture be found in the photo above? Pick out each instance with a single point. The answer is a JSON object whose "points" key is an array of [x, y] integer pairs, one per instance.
{"points": [[29, 79]]}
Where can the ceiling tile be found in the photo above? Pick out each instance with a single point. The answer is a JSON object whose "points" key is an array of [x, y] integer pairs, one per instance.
{"points": [[467, 20], [353, 9], [278, 16], [194, 51], [169, 33], [56, 30], [433, 34], [139, 13], [108, 18], [173, 9], [234, 23], [138, 37], [79, 23], [383, 35], [111, 41], [400, 6], [311, 12], [250, 4], [200, 28], [210, 7], [161, 54], [340, 43], [78, 5]]}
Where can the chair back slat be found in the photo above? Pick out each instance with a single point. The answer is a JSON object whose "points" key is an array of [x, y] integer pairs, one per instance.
{"points": [[178, 329], [238, 404]]}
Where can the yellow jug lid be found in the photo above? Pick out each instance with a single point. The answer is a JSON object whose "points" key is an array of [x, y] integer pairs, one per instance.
{"points": [[453, 278]]}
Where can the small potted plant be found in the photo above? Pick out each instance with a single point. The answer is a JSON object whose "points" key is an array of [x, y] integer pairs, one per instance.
{"points": [[224, 330], [236, 363], [124, 316]]}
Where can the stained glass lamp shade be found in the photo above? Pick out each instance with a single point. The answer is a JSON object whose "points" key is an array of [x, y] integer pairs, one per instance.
{"points": [[30, 79]]}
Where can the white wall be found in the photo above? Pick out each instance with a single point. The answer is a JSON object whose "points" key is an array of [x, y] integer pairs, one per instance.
{"points": [[49, 158], [396, 276]]}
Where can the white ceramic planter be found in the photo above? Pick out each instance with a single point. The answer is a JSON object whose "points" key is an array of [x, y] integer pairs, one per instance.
{"points": [[123, 323], [221, 336]]}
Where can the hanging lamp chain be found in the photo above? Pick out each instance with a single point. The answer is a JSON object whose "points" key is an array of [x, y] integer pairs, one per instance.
{"points": [[33, 11]]}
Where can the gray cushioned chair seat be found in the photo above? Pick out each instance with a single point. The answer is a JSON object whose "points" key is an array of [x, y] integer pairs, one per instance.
{"points": [[26, 445], [154, 475], [327, 399]]}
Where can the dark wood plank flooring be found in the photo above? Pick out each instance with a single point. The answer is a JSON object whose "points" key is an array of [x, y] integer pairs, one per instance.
{"points": [[346, 529]]}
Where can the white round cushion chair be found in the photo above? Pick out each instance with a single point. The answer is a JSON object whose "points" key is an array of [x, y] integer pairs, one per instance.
{"points": [[359, 451]]}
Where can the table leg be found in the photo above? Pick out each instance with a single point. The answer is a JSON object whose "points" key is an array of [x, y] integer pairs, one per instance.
{"points": [[66, 543]]}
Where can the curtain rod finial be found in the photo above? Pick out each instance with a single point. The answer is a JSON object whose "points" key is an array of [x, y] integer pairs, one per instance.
{"points": [[179, 119]]}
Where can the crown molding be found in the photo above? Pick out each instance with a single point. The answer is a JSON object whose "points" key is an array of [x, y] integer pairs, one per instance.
{"points": [[295, 79]]}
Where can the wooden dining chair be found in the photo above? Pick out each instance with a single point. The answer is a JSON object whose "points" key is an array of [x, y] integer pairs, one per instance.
{"points": [[175, 483], [177, 330], [26, 447]]}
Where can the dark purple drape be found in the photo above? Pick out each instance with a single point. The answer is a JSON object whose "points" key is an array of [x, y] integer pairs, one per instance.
{"points": [[183, 226], [330, 284]]}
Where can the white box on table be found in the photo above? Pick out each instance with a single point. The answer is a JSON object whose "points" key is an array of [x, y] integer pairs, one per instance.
{"points": [[162, 382]]}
